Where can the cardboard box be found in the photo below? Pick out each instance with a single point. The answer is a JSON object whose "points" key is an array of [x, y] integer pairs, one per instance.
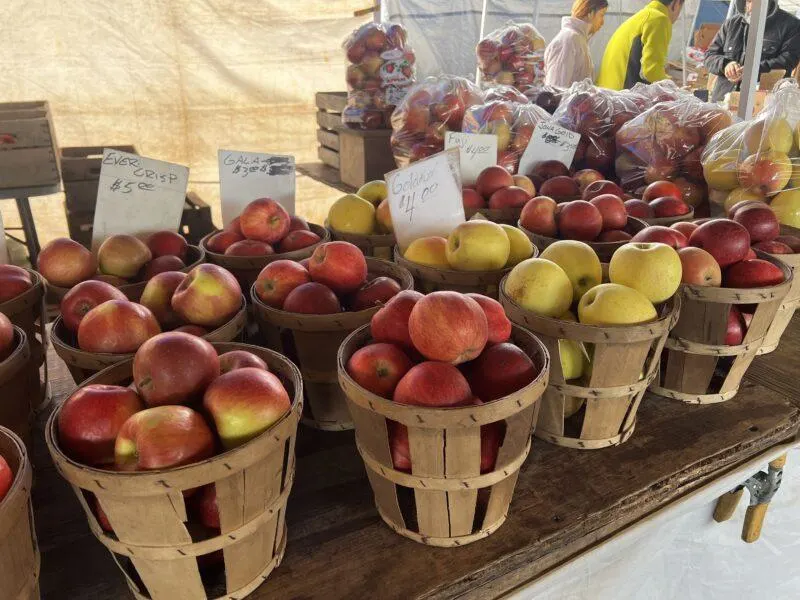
{"points": [[704, 35]]}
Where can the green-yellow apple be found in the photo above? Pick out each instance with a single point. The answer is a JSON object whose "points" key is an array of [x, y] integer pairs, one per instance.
{"points": [[615, 304], [352, 214], [521, 245], [478, 246], [653, 269], [786, 206], [209, 296], [373, 191], [540, 286], [157, 296], [123, 256], [579, 262], [572, 354], [430, 251]]}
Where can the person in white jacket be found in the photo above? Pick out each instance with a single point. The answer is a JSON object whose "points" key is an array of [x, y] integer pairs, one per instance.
{"points": [[567, 58]]}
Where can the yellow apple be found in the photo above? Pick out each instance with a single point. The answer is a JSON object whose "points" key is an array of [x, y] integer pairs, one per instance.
{"points": [[540, 286], [579, 262], [775, 134], [384, 216], [786, 207], [721, 171], [373, 191], [740, 194], [521, 246], [478, 246], [615, 304], [573, 357], [654, 269], [430, 251], [352, 214]]}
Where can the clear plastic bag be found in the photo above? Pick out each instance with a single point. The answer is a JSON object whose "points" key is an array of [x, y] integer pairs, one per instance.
{"points": [[545, 96], [512, 55], [760, 159], [513, 124], [666, 142], [504, 92], [380, 71], [660, 91], [431, 107]]}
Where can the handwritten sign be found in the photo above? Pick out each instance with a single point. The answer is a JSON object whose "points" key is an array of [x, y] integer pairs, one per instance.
{"points": [[549, 142], [477, 151], [425, 198], [247, 176], [137, 195], [3, 250]]}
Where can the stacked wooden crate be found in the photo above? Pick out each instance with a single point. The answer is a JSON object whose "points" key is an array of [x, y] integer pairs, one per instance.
{"points": [[329, 121], [28, 157]]}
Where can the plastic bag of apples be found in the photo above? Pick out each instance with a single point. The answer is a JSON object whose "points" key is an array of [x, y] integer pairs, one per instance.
{"points": [[431, 108], [759, 159], [512, 55], [380, 71], [666, 142], [545, 96]]}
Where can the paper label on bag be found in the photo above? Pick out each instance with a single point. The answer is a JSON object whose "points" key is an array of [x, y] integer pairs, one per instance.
{"points": [[425, 198], [3, 249], [477, 151], [248, 176], [549, 142], [137, 195]]}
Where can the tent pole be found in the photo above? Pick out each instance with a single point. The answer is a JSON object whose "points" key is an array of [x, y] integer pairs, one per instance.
{"points": [[683, 45], [480, 37], [752, 58]]}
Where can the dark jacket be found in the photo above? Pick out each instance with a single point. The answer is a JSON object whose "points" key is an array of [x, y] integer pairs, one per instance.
{"points": [[781, 49]]}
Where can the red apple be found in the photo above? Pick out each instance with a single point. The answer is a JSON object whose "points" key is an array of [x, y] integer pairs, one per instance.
{"points": [[162, 264], [298, 224], [685, 227], [500, 370], [167, 243], [751, 254], [312, 299], [244, 403], [339, 265], [435, 384], [91, 418], [614, 235], [162, 437], [239, 359], [378, 368], [82, 298], [277, 279], [6, 478], [509, 197], [374, 293], [790, 240], [204, 506], [597, 188], [209, 296], [742, 204], [221, 241], [548, 169], [562, 187], [235, 225], [639, 209], [699, 267], [449, 327], [6, 337], [759, 221], [157, 296], [668, 206], [297, 240], [727, 241], [249, 248], [661, 234], [661, 189], [116, 327], [735, 332], [123, 256], [498, 323], [64, 262], [612, 211], [584, 177], [538, 216], [752, 273], [390, 323], [773, 247], [472, 199], [579, 220], [174, 368], [13, 281], [492, 179], [264, 220]]}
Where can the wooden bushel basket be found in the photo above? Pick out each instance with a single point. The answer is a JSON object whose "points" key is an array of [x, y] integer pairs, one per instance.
{"points": [[667, 221], [444, 501], [19, 552], [697, 366], [786, 310], [152, 544], [604, 250], [82, 364], [312, 342], [379, 245], [247, 268], [600, 412], [25, 311], [18, 388]]}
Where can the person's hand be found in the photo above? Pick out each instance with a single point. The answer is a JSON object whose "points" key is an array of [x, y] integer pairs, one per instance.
{"points": [[733, 72]]}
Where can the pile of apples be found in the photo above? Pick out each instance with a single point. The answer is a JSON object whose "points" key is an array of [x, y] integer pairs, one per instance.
{"points": [[660, 199], [121, 259], [186, 403], [14, 281], [445, 349], [264, 228], [496, 188], [430, 109], [332, 280], [512, 55], [476, 245], [364, 213], [6, 478], [104, 320]]}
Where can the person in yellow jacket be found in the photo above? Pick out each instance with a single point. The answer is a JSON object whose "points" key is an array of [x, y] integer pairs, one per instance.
{"points": [[637, 52]]}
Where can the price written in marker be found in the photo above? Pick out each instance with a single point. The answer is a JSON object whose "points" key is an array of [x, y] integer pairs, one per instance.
{"points": [[425, 198], [549, 142], [477, 152], [247, 176], [137, 195]]}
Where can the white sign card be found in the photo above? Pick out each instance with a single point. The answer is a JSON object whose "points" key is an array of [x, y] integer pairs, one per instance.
{"points": [[477, 152], [137, 195], [425, 198], [247, 176], [3, 249], [549, 142]]}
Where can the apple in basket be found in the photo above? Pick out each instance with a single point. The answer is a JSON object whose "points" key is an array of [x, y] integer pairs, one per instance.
{"points": [[312, 299], [6, 337], [727, 241], [6, 478], [116, 327], [209, 296], [390, 324], [162, 264], [457, 314], [500, 370], [341, 266], [379, 367], [123, 256], [277, 279], [239, 359], [64, 262], [167, 243], [13, 281], [157, 296], [264, 220], [499, 326], [374, 293], [82, 298], [222, 240]]}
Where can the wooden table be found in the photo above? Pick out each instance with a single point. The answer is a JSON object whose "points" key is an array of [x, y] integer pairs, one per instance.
{"points": [[565, 502]]}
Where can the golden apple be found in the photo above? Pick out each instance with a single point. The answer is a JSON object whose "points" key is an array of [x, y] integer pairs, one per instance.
{"points": [[429, 251], [786, 207], [521, 245], [721, 172], [579, 262], [526, 184], [373, 191], [615, 304], [540, 286], [738, 195], [478, 246], [653, 268], [573, 357], [384, 216], [352, 214], [775, 134]]}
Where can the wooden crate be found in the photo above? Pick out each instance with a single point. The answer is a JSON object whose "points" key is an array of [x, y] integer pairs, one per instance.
{"points": [[364, 155], [329, 121], [28, 156]]}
